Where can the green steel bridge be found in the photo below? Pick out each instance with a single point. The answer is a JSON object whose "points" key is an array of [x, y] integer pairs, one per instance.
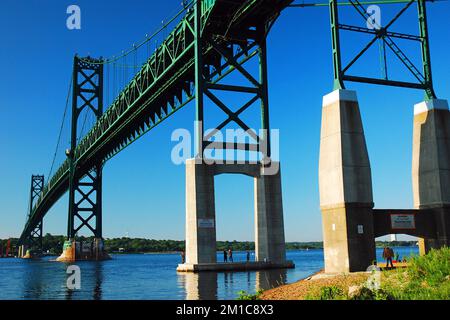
{"points": [[211, 40]]}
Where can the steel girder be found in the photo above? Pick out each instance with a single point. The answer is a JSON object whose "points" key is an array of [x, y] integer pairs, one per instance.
{"points": [[382, 33]]}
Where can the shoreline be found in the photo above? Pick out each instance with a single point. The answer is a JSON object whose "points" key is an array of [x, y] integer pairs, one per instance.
{"points": [[311, 285]]}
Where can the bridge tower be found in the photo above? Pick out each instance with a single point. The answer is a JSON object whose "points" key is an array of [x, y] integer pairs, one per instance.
{"points": [[229, 51], [33, 244], [85, 182], [350, 221]]}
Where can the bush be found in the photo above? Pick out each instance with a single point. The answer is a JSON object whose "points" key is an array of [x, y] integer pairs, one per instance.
{"points": [[433, 268], [426, 278], [369, 294], [328, 293], [243, 295]]}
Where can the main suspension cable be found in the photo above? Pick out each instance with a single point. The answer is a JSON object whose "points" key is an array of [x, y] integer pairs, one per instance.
{"points": [[61, 128], [113, 59]]}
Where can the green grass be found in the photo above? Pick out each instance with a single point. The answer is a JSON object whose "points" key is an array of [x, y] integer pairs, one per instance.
{"points": [[426, 278]]}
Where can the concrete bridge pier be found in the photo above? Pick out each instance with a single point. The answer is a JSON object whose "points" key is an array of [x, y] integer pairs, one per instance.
{"points": [[83, 251], [201, 250], [21, 251], [269, 224], [345, 185], [431, 168], [200, 213]]}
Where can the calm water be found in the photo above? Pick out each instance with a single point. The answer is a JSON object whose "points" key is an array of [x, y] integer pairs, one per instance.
{"points": [[148, 277]]}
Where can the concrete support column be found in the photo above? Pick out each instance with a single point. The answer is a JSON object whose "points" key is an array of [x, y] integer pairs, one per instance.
{"points": [[200, 213], [345, 185], [269, 225], [431, 167]]}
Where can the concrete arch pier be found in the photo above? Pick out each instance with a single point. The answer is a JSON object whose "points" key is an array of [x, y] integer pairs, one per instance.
{"points": [[201, 250], [350, 222]]}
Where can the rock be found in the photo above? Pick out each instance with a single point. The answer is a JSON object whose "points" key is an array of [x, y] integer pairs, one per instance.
{"points": [[354, 291]]}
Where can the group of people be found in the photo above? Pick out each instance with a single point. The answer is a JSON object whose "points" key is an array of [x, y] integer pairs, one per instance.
{"points": [[227, 256]]}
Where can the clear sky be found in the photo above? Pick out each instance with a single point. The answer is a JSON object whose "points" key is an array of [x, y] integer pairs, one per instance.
{"points": [[143, 190]]}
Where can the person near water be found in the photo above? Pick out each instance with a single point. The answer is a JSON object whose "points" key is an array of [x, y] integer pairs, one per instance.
{"points": [[248, 256], [225, 256], [388, 253], [182, 257], [230, 255]]}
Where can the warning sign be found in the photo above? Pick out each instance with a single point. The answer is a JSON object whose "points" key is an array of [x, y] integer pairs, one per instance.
{"points": [[403, 221]]}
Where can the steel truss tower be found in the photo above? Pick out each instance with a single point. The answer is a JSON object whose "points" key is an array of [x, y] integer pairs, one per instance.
{"points": [[217, 55], [423, 78], [34, 240], [85, 187]]}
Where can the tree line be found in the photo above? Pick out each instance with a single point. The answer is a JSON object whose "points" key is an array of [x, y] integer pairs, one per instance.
{"points": [[53, 244]]}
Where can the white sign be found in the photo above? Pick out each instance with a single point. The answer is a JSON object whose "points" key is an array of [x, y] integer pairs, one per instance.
{"points": [[403, 221], [206, 223], [360, 229]]}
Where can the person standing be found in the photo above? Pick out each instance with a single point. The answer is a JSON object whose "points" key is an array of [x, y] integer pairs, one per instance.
{"points": [[248, 256], [392, 253], [230, 255], [225, 256], [388, 253], [183, 256]]}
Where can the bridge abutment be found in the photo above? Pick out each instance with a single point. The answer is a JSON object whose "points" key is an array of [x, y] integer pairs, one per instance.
{"points": [[201, 251], [345, 185], [431, 168]]}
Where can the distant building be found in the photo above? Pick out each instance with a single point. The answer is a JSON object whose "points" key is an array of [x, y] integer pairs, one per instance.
{"points": [[393, 237]]}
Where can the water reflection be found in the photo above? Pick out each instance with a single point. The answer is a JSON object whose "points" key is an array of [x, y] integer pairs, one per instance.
{"points": [[45, 279], [34, 286], [209, 285], [269, 279], [97, 292], [91, 281], [199, 286]]}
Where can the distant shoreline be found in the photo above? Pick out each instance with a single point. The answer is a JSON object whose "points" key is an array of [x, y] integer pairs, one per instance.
{"points": [[53, 245]]}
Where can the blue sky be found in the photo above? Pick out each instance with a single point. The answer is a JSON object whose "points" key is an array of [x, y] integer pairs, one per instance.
{"points": [[143, 190]]}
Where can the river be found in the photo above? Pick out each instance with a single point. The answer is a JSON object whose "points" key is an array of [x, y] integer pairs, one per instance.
{"points": [[148, 277]]}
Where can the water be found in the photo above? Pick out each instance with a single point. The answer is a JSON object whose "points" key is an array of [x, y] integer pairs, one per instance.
{"points": [[150, 276]]}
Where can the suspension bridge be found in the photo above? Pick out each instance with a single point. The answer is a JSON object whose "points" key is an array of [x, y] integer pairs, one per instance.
{"points": [[209, 41]]}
